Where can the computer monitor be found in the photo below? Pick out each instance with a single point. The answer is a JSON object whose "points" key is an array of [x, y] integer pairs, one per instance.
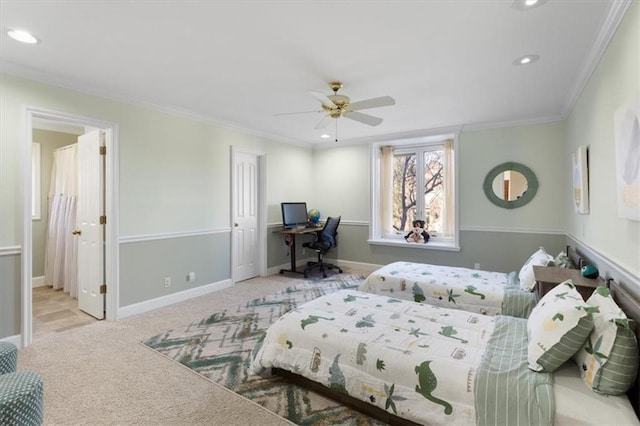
{"points": [[294, 214]]}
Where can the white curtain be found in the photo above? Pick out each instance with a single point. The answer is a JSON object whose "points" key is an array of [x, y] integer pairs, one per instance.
{"points": [[61, 252], [449, 182], [386, 190]]}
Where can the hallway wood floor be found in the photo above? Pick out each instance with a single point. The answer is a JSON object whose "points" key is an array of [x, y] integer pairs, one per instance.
{"points": [[54, 311]]}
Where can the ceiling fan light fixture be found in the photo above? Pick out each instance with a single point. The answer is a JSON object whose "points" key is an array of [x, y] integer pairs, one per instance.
{"points": [[23, 36], [526, 59], [325, 136]]}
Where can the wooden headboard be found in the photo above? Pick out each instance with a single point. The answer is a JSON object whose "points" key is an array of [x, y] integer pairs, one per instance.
{"points": [[631, 307], [575, 257]]}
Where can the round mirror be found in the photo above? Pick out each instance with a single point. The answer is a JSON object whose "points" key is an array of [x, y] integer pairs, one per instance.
{"points": [[510, 185]]}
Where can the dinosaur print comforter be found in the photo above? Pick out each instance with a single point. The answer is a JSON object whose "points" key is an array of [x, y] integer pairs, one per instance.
{"points": [[424, 363], [472, 290]]}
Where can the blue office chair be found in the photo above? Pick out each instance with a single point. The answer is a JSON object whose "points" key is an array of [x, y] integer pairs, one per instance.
{"points": [[325, 241]]}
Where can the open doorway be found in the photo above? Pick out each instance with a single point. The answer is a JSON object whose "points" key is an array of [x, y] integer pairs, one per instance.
{"points": [[54, 241], [69, 251]]}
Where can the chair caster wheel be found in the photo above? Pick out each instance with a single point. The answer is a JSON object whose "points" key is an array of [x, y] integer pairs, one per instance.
{"points": [[305, 275], [339, 270], [324, 275]]}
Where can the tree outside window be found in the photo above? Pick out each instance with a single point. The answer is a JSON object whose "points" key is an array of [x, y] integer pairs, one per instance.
{"points": [[418, 189], [414, 180]]}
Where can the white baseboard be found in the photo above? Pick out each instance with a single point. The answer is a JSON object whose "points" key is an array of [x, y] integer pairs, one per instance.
{"points": [[170, 299], [37, 282], [16, 340]]}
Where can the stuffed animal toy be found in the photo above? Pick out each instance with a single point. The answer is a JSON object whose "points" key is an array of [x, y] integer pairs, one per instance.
{"points": [[417, 233]]}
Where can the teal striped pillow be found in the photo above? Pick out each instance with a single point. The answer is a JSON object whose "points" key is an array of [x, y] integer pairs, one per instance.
{"points": [[608, 361], [557, 327]]}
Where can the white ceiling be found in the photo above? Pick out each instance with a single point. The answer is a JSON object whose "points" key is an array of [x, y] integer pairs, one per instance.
{"points": [[448, 64]]}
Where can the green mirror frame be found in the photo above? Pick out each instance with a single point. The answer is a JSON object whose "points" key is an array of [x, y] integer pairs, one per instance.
{"points": [[532, 185]]}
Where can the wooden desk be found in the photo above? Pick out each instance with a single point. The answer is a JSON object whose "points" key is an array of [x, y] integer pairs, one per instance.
{"points": [[547, 277], [292, 253]]}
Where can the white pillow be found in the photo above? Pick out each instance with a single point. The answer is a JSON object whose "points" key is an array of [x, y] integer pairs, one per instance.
{"points": [[539, 258], [609, 359], [558, 327]]}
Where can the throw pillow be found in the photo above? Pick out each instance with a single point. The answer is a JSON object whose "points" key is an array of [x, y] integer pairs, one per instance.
{"points": [[526, 277], [562, 260], [608, 361], [557, 327]]}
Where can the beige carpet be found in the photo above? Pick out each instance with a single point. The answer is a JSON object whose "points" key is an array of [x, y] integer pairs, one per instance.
{"points": [[101, 374]]}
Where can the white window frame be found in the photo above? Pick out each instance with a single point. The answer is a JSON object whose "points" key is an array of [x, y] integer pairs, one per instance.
{"points": [[36, 182], [376, 236]]}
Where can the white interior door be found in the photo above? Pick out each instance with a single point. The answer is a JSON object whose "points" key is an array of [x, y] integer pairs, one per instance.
{"points": [[245, 216], [91, 231]]}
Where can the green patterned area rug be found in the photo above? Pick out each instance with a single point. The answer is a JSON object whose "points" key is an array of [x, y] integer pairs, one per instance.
{"points": [[219, 348]]}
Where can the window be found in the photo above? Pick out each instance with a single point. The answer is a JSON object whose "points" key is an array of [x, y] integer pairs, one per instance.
{"points": [[415, 180], [35, 181]]}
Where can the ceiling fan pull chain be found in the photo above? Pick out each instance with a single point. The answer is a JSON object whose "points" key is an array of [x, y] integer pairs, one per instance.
{"points": [[336, 130]]}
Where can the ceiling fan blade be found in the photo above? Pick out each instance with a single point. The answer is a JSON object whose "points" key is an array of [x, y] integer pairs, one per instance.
{"points": [[323, 123], [363, 118], [300, 112], [372, 103], [324, 100]]}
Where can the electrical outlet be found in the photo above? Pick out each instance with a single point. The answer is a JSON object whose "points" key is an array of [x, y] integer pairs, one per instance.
{"points": [[476, 266], [167, 282], [191, 276]]}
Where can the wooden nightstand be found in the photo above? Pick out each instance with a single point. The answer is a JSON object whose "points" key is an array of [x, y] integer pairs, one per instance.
{"points": [[547, 277]]}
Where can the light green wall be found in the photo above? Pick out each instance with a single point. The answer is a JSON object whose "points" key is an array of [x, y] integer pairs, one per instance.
{"points": [[345, 190], [49, 141], [345, 185], [174, 178], [342, 182], [540, 147], [591, 123]]}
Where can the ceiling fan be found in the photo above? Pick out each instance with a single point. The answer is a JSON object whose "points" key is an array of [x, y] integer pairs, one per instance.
{"points": [[337, 106]]}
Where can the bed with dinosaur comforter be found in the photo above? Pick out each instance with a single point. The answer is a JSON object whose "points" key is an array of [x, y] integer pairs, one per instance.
{"points": [[473, 290], [423, 363]]}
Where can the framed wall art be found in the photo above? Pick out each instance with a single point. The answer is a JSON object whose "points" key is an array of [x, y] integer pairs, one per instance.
{"points": [[627, 135], [580, 180]]}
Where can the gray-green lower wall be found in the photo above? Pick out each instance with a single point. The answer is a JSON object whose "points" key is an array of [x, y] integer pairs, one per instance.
{"points": [[10, 294], [494, 251], [145, 264]]}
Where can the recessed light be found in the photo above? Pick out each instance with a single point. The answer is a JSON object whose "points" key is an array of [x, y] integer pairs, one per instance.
{"points": [[23, 36], [526, 59], [325, 136], [527, 4]]}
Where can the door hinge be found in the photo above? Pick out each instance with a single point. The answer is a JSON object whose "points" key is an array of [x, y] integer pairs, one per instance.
{"points": [[103, 289], [103, 220], [103, 150]]}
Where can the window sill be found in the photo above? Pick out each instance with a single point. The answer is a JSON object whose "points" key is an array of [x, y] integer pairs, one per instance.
{"points": [[445, 245]]}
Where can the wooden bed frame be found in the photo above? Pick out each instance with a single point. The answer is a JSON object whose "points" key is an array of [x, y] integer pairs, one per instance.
{"points": [[627, 302]]}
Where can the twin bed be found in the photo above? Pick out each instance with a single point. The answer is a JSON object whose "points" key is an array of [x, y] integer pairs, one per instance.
{"points": [[416, 363], [484, 292]]}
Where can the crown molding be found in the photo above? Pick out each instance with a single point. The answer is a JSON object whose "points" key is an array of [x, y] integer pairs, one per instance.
{"points": [[610, 23], [29, 73]]}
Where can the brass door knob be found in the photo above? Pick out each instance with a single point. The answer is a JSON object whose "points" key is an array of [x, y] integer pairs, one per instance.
{"points": [[77, 232]]}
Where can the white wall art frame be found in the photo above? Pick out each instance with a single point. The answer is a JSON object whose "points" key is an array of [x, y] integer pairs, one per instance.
{"points": [[627, 137], [580, 180]]}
